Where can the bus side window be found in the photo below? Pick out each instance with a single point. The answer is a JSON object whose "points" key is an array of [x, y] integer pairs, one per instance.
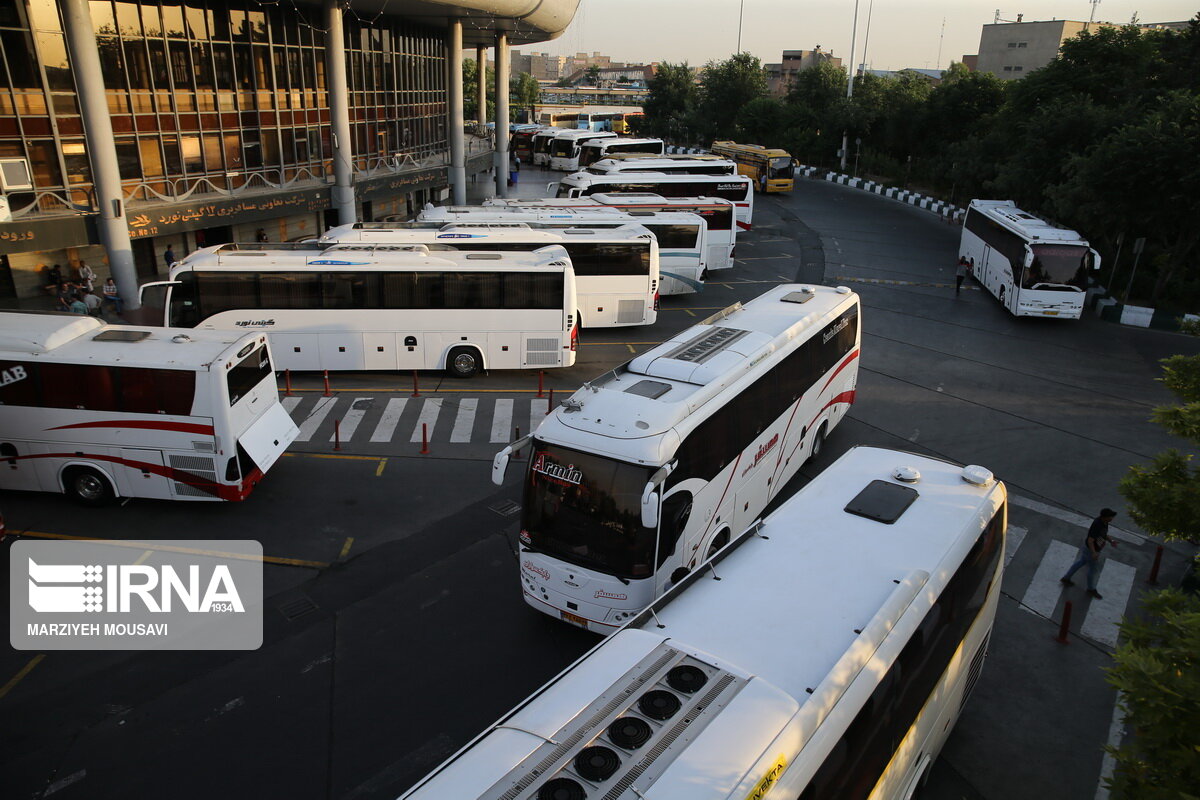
{"points": [[8, 452], [676, 510]]}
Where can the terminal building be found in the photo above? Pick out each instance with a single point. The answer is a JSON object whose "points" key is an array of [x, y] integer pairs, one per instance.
{"points": [[130, 127]]}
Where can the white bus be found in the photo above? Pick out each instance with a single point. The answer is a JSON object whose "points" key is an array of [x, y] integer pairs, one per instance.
{"points": [[737, 188], [680, 249], [718, 215], [541, 145], [564, 148], [101, 411], [593, 151], [649, 469], [1032, 267], [384, 307], [685, 165], [616, 269], [826, 655]]}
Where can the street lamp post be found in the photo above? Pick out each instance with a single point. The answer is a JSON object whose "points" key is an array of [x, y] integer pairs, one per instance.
{"points": [[850, 83]]}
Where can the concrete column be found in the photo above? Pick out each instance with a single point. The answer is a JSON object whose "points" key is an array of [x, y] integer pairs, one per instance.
{"points": [[454, 112], [339, 113], [481, 75], [503, 59], [102, 148]]}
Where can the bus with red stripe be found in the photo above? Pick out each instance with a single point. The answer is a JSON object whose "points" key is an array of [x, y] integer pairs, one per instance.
{"points": [[649, 469], [737, 188], [100, 411]]}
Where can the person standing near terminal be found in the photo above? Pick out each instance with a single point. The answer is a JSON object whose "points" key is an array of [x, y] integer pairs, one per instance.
{"points": [[87, 276], [169, 258], [111, 295], [964, 268], [1089, 553]]}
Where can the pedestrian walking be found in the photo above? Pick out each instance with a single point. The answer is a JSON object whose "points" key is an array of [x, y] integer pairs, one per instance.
{"points": [[169, 258], [111, 295], [964, 269], [514, 169], [87, 276], [1089, 552]]}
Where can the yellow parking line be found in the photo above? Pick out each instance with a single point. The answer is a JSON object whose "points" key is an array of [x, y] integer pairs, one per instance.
{"points": [[25, 670], [142, 558], [334, 455], [631, 348], [346, 547], [379, 469], [165, 548], [689, 312]]}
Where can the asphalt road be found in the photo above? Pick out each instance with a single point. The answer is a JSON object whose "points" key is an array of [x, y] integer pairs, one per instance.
{"points": [[406, 635]]}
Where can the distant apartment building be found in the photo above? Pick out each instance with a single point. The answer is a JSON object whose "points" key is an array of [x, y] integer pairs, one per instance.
{"points": [[780, 76], [542, 66], [1011, 50]]}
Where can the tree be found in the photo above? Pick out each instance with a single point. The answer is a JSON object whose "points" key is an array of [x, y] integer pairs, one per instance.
{"points": [[524, 92], [1164, 496], [725, 89], [670, 100], [593, 74], [470, 72], [1158, 674], [762, 121], [1143, 178]]}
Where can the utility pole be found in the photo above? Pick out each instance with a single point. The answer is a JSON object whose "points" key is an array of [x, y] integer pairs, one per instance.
{"points": [[1092, 18], [741, 8], [850, 82], [941, 38]]}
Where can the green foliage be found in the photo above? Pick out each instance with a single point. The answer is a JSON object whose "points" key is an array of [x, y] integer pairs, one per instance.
{"points": [[1190, 326], [524, 92], [470, 72], [670, 102], [760, 120], [1158, 673], [726, 87], [1164, 495]]}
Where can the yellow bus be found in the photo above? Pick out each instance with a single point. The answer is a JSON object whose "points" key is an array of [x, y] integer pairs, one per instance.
{"points": [[771, 169], [620, 122]]}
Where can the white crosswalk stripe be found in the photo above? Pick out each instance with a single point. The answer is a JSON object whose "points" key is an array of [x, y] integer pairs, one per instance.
{"points": [[1104, 615], [537, 412], [1016, 535], [289, 403], [1043, 591], [309, 425], [502, 421], [386, 426], [430, 410], [464, 423], [349, 422]]}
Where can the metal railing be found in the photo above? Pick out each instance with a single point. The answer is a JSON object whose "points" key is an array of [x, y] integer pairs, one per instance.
{"points": [[82, 200]]}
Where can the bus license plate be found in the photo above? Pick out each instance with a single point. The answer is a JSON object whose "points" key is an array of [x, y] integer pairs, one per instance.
{"points": [[1050, 313], [574, 619]]}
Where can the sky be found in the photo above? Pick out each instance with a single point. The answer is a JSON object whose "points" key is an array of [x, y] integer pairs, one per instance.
{"points": [[902, 33]]}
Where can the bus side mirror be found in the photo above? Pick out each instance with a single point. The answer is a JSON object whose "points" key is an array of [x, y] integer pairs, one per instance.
{"points": [[500, 461], [1028, 256], [155, 285], [1095, 258], [500, 466], [649, 506], [550, 187]]}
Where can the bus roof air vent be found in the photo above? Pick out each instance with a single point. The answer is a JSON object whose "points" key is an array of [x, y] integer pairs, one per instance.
{"points": [[882, 501], [802, 296], [977, 475], [906, 474], [650, 389], [121, 335], [706, 345]]}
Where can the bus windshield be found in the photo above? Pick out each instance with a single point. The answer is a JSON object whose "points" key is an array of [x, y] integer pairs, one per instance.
{"points": [[586, 510], [1060, 266], [781, 168], [562, 147]]}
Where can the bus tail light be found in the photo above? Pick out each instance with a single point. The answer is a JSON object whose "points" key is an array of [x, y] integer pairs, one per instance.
{"points": [[656, 301], [574, 337]]}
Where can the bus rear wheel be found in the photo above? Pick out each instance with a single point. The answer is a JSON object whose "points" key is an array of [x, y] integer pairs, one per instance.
{"points": [[818, 443], [87, 486], [720, 541], [463, 362]]}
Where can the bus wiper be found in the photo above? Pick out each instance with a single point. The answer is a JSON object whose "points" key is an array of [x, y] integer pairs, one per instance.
{"points": [[1057, 286]]}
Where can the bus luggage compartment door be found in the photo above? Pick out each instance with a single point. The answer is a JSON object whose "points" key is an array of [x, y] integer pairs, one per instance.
{"points": [[142, 475]]}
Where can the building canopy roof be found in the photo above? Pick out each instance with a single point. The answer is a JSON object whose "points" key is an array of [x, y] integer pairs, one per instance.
{"points": [[525, 21]]}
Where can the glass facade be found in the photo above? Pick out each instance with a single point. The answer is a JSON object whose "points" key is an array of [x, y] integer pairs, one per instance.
{"points": [[212, 96]]}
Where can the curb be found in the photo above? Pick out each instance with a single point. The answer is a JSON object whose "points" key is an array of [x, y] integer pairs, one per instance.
{"points": [[947, 211]]}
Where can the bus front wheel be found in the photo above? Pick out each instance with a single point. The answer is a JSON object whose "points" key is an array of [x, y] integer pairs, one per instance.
{"points": [[87, 486], [818, 443], [463, 362], [720, 541]]}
